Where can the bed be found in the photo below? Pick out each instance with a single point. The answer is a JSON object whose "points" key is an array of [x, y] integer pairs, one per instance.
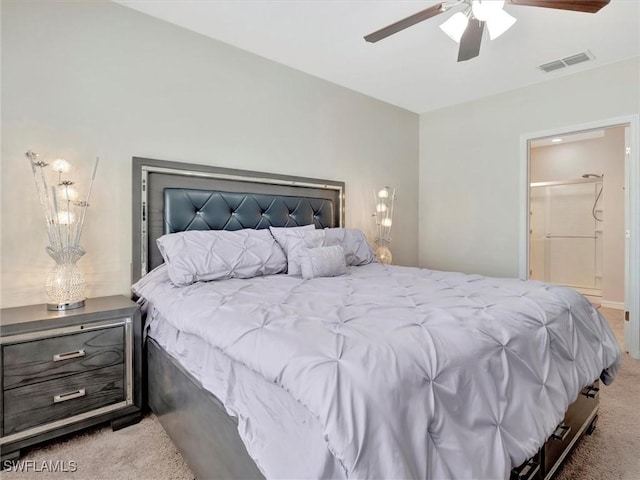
{"points": [[385, 372]]}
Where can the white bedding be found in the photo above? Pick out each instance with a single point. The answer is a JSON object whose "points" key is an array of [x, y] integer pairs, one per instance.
{"points": [[287, 442], [409, 373]]}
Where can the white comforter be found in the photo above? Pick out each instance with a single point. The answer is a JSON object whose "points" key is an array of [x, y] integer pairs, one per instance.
{"points": [[411, 373]]}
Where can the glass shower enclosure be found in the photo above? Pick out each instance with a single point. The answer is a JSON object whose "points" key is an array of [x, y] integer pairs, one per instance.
{"points": [[565, 237]]}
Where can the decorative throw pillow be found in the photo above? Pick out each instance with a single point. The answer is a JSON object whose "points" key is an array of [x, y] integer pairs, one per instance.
{"points": [[296, 242], [203, 255], [357, 250], [281, 233], [322, 262]]}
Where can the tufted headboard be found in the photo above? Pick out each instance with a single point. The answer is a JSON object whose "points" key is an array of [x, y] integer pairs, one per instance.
{"points": [[188, 209], [171, 197]]}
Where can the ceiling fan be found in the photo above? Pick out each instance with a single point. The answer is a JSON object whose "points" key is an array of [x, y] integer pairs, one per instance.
{"points": [[466, 26]]}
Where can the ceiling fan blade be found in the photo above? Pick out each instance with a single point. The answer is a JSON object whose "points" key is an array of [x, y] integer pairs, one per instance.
{"points": [[471, 39], [405, 23], [589, 6]]}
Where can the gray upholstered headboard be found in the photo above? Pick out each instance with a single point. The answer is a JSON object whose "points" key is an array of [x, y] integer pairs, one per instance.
{"points": [[171, 197]]}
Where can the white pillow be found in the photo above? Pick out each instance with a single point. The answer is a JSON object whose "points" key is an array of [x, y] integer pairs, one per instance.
{"points": [[296, 243], [158, 275], [203, 255], [322, 262], [357, 250], [281, 233], [294, 238]]}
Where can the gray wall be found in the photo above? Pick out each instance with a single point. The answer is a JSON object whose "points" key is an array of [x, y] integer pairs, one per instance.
{"points": [[87, 79], [469, 163]]}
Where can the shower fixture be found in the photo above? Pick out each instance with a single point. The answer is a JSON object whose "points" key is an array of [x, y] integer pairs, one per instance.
{"points": [[601, 177]]}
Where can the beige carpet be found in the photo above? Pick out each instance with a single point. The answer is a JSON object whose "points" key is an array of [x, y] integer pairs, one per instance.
{"points": [[143, 451], [613, 451]]}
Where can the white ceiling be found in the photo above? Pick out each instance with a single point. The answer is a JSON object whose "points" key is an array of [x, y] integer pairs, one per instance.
{"points": [[415, 69]]}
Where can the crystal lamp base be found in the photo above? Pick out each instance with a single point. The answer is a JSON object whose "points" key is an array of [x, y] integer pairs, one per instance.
{"points": [[65, 283], [383, 254]]}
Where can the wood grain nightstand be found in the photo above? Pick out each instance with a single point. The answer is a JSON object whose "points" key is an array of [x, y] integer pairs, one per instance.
{"points": [[64, 371]]}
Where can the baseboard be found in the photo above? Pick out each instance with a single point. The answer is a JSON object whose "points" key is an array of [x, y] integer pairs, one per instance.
{"points": [[614, 305], [590, 292]]}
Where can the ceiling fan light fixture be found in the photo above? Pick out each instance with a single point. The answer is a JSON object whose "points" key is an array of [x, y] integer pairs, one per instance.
{"points": [[483, 10], [455, 26], [499, 23], [467, 28]]}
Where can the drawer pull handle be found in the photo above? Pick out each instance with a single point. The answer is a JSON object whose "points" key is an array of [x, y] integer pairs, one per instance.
{"points": [[561, 432], [63, 397], [590, 391], [529, 471], [58, 357]]}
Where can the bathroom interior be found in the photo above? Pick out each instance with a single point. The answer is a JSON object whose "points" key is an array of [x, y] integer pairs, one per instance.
{"points": [[577, 213]]}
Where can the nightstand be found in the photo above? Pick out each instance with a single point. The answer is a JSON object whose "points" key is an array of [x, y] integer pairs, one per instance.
{"points": [[65, 371]]}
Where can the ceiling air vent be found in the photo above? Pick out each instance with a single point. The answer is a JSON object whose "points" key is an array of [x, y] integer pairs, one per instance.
{"points": [[551, 66], [567, 61], [579, 58]]}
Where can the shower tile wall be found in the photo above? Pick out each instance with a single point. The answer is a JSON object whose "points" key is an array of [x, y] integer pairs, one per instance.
{"points": [[566, 242]]}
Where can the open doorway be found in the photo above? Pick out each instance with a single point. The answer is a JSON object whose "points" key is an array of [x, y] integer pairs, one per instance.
{"points": [[580, 215], [577, 205]]}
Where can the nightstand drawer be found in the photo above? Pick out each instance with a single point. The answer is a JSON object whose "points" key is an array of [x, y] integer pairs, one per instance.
{"points": [[46, 402], [50, 358]]}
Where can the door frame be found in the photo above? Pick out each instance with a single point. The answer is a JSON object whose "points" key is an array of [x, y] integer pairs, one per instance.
{"points": [[632, 286]]}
